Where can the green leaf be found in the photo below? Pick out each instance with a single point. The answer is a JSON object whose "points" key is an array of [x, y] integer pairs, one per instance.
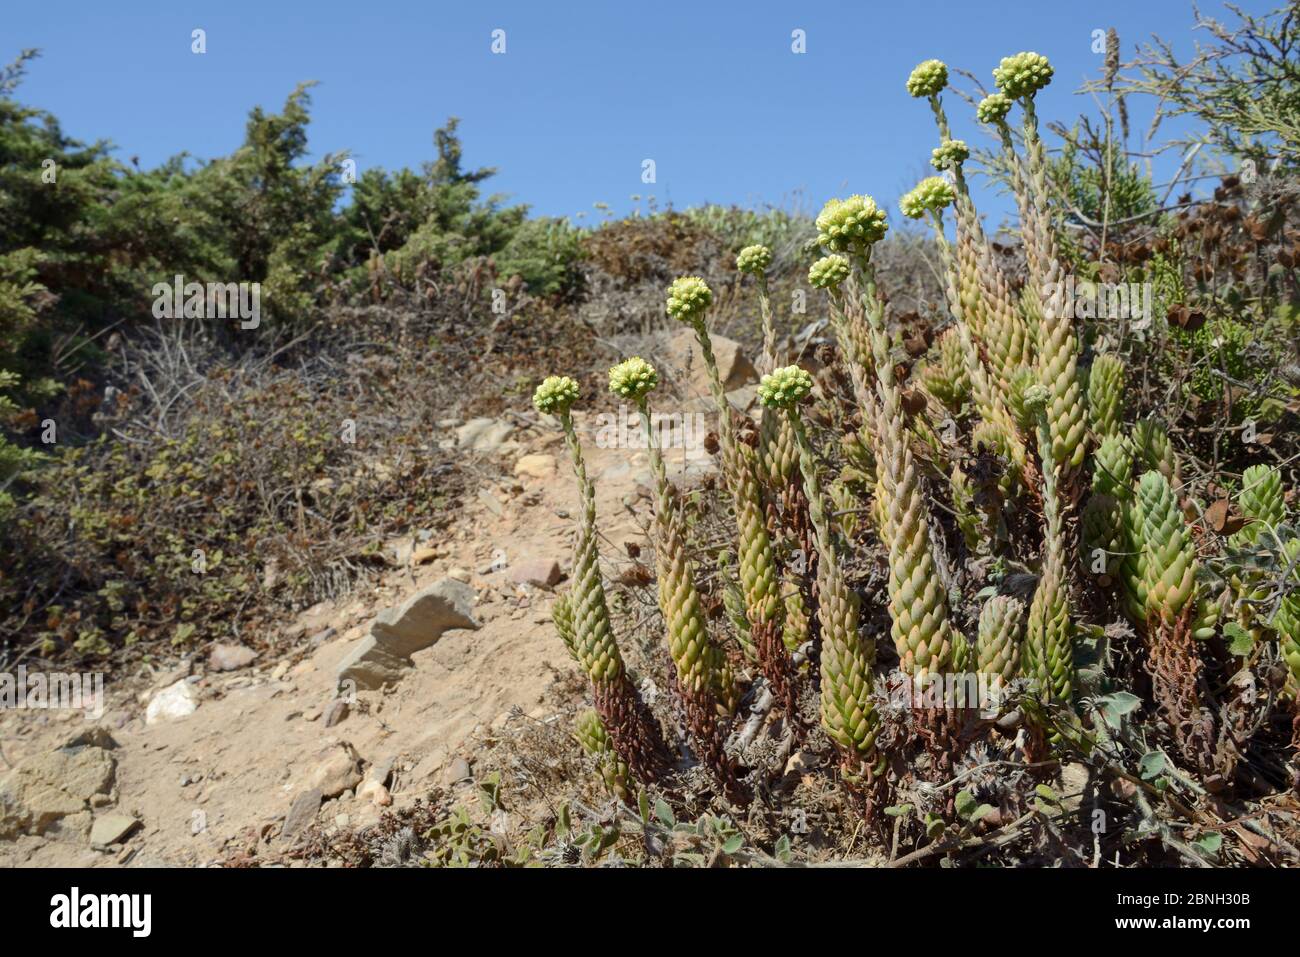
{"points": [[782, 849], [643, 805], [1115, 706], [1151, 765], [1240, 641], [664, 813], [981, 811], [965, 802], [899, 810], [1210, 843], [1047, 794], [733, 844], [933, 826]]}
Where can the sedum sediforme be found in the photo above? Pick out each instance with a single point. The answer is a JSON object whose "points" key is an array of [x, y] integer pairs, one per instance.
{"points": [[583, 621]]}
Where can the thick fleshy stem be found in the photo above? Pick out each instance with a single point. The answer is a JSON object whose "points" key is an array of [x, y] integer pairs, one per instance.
{"points": [[697, 659], [635, 732]]}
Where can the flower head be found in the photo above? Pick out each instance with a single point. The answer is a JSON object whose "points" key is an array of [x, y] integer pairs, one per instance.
{"points": [[844, 224], [828, 272], [754, 259], [688, 298], [950, 155], [633, 378], [929, 78], [1023, 75], [993, 108], [555, 395], [784, 388], [1036, 398], [930, 195]]}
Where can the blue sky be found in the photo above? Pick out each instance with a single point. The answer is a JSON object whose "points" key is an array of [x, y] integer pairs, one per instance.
{"points": [[712, 92]]}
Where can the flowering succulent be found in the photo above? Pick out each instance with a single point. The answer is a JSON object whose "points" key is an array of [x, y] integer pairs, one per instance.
{"points": [[633, 378], [950, 155], [844, 224], [928, 79], [754, 259], [930, 195], [785, 388], [555, 395], [828, 272], [688, 297], [1023, 75], [993, 108]]}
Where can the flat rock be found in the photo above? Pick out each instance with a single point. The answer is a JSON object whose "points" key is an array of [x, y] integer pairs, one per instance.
{"points": [[399, 632], [225, 657], [734, 368], [302, 812], [336, 712], [43, 790], [177, 700], [112, 828], [483, 435], [542, 572], [540, 466]]}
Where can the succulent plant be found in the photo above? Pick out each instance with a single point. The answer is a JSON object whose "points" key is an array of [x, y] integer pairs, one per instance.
{"points": [[928, 196], [1261, 501], [1048, 654], [596, 741], [949, 155], [947, 379], [583, 624], [928, 78], [1169, 573], [851, 225], [755, 260], [998, 640], [1153, 450], [688, 299], [848, 712], [1105, 393], [705, 685], [993, 109], [1022, 75], [828, 272]]}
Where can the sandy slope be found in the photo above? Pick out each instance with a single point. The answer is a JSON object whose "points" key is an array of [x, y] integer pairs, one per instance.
{"points": [[230, 771]]}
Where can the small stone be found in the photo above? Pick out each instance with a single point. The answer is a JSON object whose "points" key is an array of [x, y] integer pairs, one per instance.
{"points": [[225, 657], [457, 771], [459, 574], [280, 671], [336, 712], [176, 701], [111, 829], [311, 714], [536, 466], [424, 555], [800, 762], [541, 572], [339, 771], [302, 812], [483, 435], [341, 820]]}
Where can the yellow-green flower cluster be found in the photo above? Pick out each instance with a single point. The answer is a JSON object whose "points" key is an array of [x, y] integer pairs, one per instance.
{"points": [[754, 259], [950, 155], [688, 298], [555, 395], [846, 225], [633, 378], [828, 272], [928, 79], [930, 195], [785, 388], [993, 109], [1023, 75]]}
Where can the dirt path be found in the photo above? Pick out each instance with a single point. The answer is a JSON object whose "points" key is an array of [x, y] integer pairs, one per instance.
{"points": [[202, 784]]}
